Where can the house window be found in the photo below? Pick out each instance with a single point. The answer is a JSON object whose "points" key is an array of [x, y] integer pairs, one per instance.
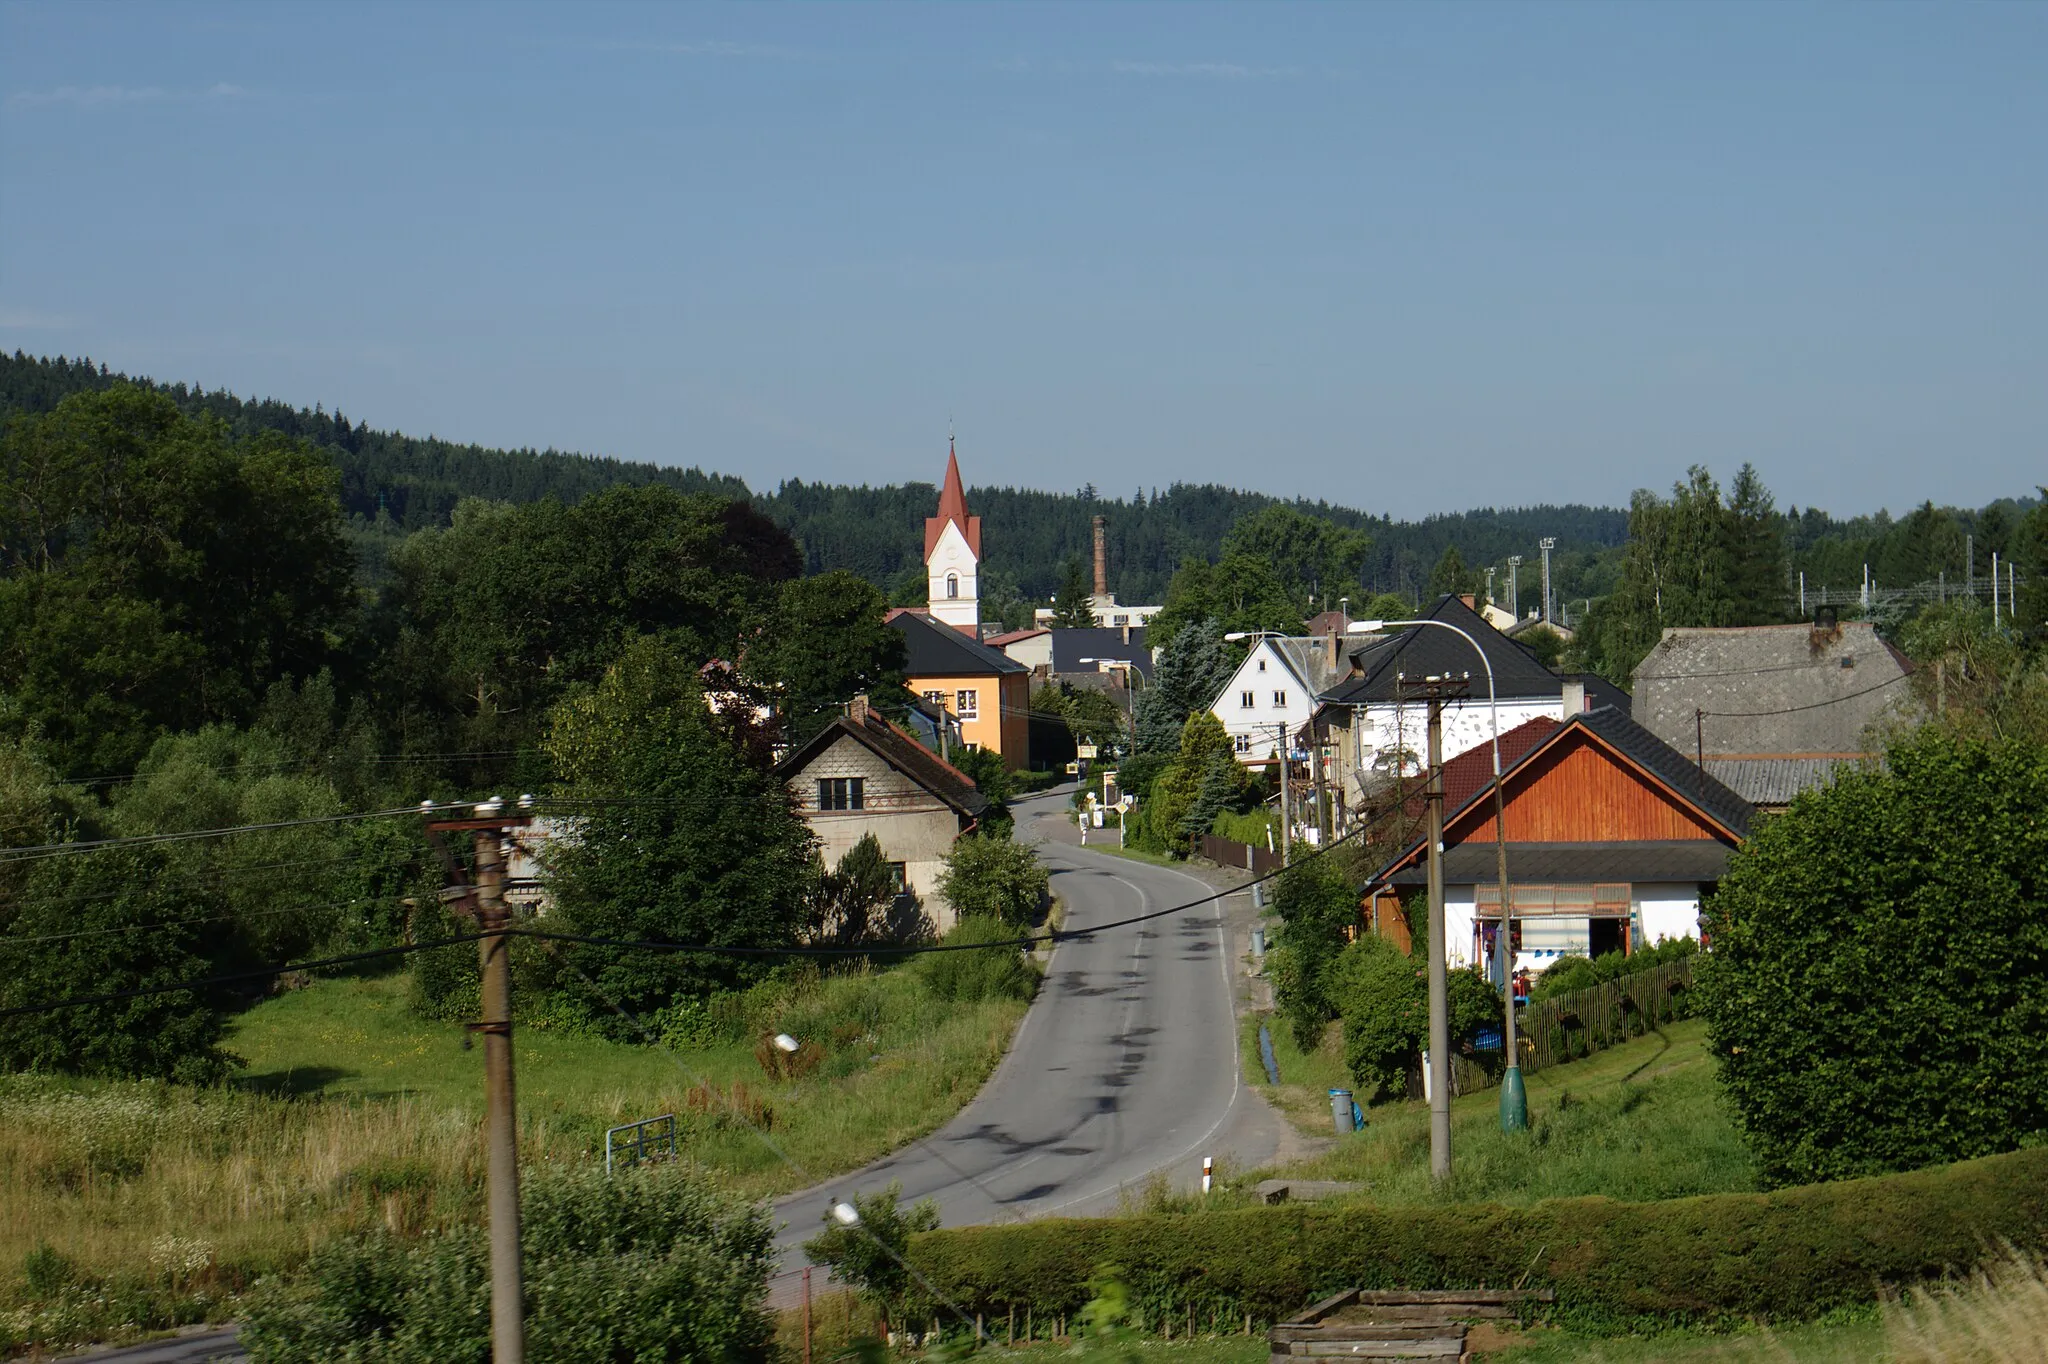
{"points": [[1262, 665], [1241, 743], [899, 877], [842, 793], [1245, 700], [1280, 700], [936, 700], [1126, 620], [967, 703], [952, 585]]}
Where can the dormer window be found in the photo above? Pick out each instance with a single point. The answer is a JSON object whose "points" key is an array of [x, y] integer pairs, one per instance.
{"points": [[952, 586]]}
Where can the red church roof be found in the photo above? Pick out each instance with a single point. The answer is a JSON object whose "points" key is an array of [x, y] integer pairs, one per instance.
{"points": [[952, 507]]}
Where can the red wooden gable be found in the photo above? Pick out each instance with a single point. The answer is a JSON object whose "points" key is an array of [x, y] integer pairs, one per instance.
{"points": [[1580, 790]]}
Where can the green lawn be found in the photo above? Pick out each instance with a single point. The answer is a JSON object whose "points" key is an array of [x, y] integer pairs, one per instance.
{"points": [[1641, 1121], [1819, 1343], [908, 1062]]}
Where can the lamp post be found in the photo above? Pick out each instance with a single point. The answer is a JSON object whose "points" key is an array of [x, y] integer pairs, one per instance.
{"points": [[1514, 1100], [1133, 675]]}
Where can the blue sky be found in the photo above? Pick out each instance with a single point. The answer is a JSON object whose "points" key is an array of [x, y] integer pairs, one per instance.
{"points": [[1414, 258]]}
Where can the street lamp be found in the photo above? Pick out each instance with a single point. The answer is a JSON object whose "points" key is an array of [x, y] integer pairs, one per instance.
{"points": [[1133, 675], [1514, 1101]]}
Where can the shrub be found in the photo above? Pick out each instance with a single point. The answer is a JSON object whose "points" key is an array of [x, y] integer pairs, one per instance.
{"points": [[646, 1264], [995, 877], [870, 1254], [1878, 983], [993, 973], [1790, 1255], [1317, 903], [1382, 994]]}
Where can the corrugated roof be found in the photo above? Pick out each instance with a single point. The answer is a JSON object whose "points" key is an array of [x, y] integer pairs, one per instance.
{"points": [[931, 649], [1684, 859], [1775, 781]]}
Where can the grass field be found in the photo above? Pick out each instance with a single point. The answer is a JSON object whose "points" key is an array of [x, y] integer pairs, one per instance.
{"points": [[151, 1204], [1640, 1121]]}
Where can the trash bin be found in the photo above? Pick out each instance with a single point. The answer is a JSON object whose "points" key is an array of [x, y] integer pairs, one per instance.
{"points": [[1258, 944], [1342, 1111]]}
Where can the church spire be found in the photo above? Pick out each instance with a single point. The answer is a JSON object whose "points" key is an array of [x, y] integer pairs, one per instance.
{"points": [[952, 554]]}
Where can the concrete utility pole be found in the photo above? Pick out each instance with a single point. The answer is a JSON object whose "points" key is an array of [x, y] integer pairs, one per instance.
{"points": [[501, 1120], [1546, 544], [1286, 801], [1438, 689], [1515, 585]]}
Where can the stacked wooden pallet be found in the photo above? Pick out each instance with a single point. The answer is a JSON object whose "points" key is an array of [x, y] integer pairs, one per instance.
{"points": [[1402, 1324]]}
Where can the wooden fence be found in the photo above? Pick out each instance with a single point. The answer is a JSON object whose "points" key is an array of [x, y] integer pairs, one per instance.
{"points": [[1225, 852], [1569, 1027]]}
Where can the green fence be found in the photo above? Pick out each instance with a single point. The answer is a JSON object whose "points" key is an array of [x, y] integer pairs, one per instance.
{"points": [[1567, 1027]]}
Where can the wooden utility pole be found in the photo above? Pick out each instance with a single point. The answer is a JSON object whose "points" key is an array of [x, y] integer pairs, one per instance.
{"points": [[1438, 690], [501, 1120]]}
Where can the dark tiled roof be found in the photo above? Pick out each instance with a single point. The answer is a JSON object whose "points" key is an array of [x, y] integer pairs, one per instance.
{"points": [[1420, 652], [897, 748], [1071, 645], [932, 649], [1683, 859]]}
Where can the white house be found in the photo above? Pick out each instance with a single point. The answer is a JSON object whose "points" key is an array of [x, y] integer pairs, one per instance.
{"points": [[1273, 692]]}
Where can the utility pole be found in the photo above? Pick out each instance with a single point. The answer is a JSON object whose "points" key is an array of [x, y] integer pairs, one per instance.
{"points": [[1438, 689], [1286, 801], [1514, 1099], [1489, 584], [501, 1121], [1699, 738], [1515, 585], [1546, 544], [1315, 755]]}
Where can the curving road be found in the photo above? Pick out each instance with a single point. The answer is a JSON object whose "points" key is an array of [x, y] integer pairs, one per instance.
{"points": [[1126, 1064]]}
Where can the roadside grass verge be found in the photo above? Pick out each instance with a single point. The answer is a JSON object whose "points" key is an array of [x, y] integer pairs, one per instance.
{"points": [[131, 1206], [1638, 1122]]}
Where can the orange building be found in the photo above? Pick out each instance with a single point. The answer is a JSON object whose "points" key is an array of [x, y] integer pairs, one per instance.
{"points": [[984, 689]]}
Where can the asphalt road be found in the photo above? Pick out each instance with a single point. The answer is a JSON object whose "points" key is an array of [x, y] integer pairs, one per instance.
{"points": [[1126, 1065]]}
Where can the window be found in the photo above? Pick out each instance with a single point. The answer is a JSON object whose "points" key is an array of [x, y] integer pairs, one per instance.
{"points": [[936, 700], [842, 793], [1245, 700], [899, 877], [1126, 620], [1241, 743], [1262, 665], [952, 585], [1280, 700], [967, 703]]}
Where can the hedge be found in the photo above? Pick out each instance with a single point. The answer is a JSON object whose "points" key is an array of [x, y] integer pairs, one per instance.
{"points": [[1789, 1255]]}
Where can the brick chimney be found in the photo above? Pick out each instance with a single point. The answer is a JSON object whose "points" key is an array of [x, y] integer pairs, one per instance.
{"points": [[857, 709], [1101, 560]]}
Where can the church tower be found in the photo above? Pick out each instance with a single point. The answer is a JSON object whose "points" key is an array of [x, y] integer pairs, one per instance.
{"points": [[952, 556]]}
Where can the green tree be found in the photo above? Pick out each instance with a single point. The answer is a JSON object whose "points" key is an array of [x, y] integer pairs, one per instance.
{"points": [[677, 838], [826, 642], [1317, 903], [156, 574], [1204, 766], [1191, 671], [1074, 604], [994, 877], [101, 922], [1310, 556], [852, 899], [1382, 994], [1239, 593], [872, 1254], [1879, 966], [1450, 577], [1544, 642], [1753, 546]]}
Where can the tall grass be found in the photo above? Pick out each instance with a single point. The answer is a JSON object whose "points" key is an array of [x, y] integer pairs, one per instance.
{"points": [[1640, 1121], [126, 1206]]}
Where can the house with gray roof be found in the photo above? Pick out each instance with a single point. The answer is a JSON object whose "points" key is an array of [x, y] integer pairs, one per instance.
{"points": [[1773, 710]]}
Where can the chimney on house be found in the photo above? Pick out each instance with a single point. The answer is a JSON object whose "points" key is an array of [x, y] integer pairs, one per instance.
{"points": [[1574, 697], [857, 709], [1101, 560]]}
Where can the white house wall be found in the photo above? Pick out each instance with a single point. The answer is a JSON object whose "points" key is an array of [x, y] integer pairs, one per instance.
{"points": [[1388, 728], [1460, 922], [1666, 911], [1260, 722]]}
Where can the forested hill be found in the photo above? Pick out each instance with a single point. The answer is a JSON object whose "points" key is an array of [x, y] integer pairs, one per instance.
{"points": [[394, 483]]}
